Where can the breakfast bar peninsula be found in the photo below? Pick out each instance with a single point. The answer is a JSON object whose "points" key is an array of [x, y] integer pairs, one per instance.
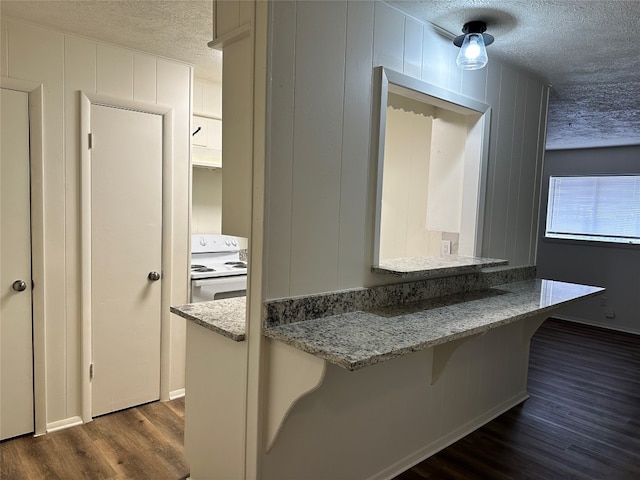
{"points": [[364, 383]]}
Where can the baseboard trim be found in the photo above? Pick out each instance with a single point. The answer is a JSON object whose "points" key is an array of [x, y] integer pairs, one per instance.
{"points": [[174, 394], [595, 324], [64, 423], [443, 442]]}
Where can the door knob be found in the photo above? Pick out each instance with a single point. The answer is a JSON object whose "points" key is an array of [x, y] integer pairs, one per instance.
{"points": [[153, 276], [19, 285]]}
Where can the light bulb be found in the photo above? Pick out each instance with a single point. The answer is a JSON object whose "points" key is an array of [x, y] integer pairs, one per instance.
{"points": [[473, 50], [473, 54]]}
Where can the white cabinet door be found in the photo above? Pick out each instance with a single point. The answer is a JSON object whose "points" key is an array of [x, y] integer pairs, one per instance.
{"points": [[199, 137], [206, 140], [126, 239], [214, 132], [207, 98], [16, 348]]}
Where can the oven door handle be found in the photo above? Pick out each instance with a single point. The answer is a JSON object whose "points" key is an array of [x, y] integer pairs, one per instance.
{"points": [[206, 282]]}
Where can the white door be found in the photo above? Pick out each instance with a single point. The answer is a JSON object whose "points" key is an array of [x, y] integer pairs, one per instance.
{"points": [[16, 347], [126, 241]]}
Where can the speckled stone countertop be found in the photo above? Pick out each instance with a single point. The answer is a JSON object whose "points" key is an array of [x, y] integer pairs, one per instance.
{"points": [[430, 267], [357, 339], [226, 317]]}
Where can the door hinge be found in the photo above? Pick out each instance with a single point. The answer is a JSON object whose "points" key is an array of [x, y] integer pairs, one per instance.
{"points": [[91, 372], [90, 141]]}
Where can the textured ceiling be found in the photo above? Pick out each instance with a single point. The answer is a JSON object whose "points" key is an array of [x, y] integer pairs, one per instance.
{"points": [[177, 29], [585, 49]]}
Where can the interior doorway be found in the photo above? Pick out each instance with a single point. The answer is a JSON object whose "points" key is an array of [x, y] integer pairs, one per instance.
{"points": [[126, 257], [16, 315]]}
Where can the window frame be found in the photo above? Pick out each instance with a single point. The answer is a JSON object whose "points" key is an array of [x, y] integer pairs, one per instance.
{"points": [[586, 239]]}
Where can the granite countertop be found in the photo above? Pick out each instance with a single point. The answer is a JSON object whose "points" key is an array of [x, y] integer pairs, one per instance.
{"points": [[358, 339], [427, 267], [226, 317]]}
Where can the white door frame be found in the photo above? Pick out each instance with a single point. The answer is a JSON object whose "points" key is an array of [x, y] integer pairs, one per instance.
{"points": [[86, 100], [36, 155]]}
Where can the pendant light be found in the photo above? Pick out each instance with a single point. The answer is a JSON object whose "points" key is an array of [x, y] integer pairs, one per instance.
{"points": [[473, 54]]}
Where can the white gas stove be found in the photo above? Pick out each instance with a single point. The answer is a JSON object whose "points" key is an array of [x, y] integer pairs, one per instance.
{"points": [[216, 269]]}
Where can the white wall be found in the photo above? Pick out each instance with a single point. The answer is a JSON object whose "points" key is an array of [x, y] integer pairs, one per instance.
{"points": [[320, 178], [206, 203], [65, 64], [376, 422], [446, 171], [423, 177], [614, 266], [407, 145]]}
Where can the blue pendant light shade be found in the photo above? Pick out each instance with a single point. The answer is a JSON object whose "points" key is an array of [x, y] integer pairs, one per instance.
{"points": [[473, 54]]}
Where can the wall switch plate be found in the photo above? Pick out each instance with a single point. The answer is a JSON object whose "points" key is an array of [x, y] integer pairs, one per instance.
{"points": [[609, 313], [445, 247]]}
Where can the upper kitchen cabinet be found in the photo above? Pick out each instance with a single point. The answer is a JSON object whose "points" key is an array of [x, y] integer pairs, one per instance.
{"points": [[206, 141], [206, 127], [207, 99]]}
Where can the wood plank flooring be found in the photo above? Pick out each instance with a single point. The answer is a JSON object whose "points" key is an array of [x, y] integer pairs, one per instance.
{"points": [[582, 421], [144, 443]]}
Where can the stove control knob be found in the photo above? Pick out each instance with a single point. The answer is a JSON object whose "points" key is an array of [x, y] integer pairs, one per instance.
{"points": [[227, 242], [234, 243], [203, 241]]}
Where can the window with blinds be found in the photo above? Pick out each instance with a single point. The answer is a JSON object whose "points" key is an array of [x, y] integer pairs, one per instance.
{"points": [[602, 208]]}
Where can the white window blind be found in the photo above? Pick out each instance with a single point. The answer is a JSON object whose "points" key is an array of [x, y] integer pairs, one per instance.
{"points": [[597, 208]]}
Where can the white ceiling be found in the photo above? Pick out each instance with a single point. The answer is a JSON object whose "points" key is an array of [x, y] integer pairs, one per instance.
{"points": [[177, 29], [586, 49]]}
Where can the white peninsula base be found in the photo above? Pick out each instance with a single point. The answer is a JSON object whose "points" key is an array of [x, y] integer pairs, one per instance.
{"points": [[361, 394], [379, 421], [215, 409]]}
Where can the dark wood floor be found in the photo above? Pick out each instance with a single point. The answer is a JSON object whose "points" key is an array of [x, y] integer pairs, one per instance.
{"points": [[142, 443], [581, 422]]}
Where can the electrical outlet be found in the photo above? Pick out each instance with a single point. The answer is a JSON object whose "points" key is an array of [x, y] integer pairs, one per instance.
{"points": [[445, 247]]}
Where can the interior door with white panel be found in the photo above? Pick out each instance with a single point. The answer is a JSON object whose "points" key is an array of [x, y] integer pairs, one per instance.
{"points": [[16, 346], [126, 257]]}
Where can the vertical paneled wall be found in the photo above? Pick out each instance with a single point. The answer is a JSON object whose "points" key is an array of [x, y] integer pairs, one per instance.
{"points": [[66, 64], [48, 68], [321, 172]]}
